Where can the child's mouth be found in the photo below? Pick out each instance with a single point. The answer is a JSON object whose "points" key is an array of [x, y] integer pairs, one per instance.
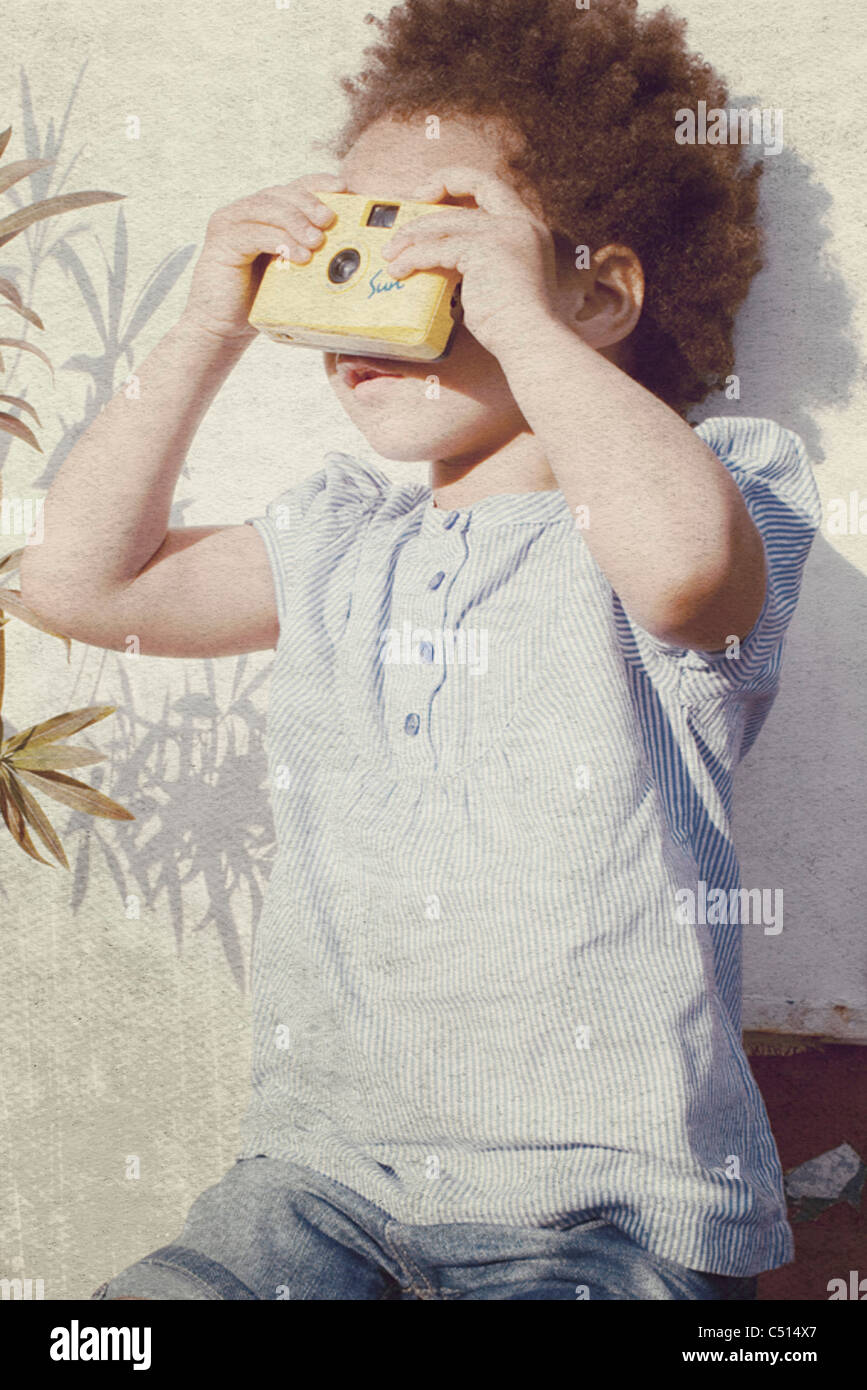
{"points": [[358, 371]]}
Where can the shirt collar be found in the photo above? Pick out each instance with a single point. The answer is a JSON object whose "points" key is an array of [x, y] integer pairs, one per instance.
{"points": [[541, 508]]}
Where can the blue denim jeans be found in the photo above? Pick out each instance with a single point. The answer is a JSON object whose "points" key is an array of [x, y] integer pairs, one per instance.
{"points": [[271, 1229]]}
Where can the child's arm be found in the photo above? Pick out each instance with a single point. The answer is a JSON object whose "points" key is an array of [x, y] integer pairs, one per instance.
{"points": [[667, 524], [108, 567]]}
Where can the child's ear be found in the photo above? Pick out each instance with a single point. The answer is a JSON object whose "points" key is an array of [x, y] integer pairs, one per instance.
{"points": [[603, 303]]}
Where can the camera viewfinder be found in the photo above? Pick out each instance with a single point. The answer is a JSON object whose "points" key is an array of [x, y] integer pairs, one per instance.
{"points": [[383, 215]]}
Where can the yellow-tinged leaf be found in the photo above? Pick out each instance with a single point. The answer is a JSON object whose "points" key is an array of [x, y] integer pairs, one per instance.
{"points": [[10, 291], [15, 821], [12, 560], [29, 314], [23, 344], [76, 794], [10, 600], [24, 405], [53, 757], [59, 726], [16, 221], [36, 818], [12, 425], [19, 169]]}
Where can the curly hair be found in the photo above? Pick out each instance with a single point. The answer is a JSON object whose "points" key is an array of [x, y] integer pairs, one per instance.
{"points": [[593, 96]]}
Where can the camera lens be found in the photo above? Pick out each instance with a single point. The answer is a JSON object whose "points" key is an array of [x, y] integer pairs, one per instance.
{"points": [[343, 266]]}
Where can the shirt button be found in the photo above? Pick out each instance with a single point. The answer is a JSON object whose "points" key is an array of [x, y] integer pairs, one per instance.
{"points": [[426, 651], [437, 579], [411, 724]]}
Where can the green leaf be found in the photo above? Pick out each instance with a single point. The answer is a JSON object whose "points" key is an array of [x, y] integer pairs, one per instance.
{"points": [[11, 602], [23, 405], [11, 561], [15, 822], [76, 794], [54, 757], [49, 207], [12, 425], [34, 815], [11, 173], [60, 726], [24, 346], [9, 291], [29, 314]]}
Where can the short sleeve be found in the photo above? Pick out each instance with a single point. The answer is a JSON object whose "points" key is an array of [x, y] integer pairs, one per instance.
{"points": [[300, 523], [771, 467]]}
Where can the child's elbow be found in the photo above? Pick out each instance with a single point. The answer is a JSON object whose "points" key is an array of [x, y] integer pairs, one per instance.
{"points": [[708, 610]]}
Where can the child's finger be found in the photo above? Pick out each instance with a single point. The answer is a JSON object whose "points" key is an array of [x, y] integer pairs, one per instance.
{"points": [[432, 225], [328, 182], [312, 207], [291, 251], [291, 195], [462, 180], [443, 254], [285, 210], [309, 186], [250, 237], [273, 211]]}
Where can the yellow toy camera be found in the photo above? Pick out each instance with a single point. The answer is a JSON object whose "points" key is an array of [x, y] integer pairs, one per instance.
{"points": [[344, 299]]}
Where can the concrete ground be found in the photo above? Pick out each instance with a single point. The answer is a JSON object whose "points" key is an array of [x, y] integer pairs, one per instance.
{"points": [[817, 1101]]}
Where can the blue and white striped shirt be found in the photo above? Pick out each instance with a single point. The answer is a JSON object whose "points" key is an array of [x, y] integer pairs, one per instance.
{"points": [[477, 994]]}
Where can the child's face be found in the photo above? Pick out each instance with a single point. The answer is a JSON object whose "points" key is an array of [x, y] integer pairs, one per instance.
{"points": [[474, 413]]}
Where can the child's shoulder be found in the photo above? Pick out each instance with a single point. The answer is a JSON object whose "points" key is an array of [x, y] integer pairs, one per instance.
{"points": [[346, 472], [765, 458], [346, 489]]}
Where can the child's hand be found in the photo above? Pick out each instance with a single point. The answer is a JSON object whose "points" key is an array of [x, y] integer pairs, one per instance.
{"points": [[287, 218], [505, 254]]}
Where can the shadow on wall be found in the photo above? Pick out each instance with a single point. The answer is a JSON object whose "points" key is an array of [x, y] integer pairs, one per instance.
{"points": [[796, 352], [800, 811], [796, 356]]}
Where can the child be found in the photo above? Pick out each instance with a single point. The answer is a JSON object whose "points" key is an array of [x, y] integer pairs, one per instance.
{"points": [[496, 1053]]}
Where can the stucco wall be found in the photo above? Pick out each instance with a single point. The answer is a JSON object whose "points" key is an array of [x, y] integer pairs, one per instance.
{"points": [[127, 1036]]}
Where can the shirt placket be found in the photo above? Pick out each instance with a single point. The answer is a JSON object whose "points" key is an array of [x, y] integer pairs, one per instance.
{"points": [[421, 609]]}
